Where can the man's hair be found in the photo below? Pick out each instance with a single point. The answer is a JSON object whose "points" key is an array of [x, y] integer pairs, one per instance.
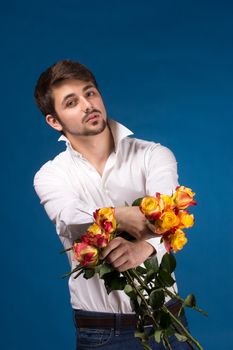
{"points": [[55, 76]]}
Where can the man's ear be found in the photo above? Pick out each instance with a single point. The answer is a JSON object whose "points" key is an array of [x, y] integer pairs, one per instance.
{"points": [[53, 122]]}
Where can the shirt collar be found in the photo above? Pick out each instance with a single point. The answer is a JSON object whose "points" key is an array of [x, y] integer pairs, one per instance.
{"points": [[119, 132]]}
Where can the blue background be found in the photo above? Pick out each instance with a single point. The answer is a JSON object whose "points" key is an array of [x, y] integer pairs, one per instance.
{"points": [[165, 70]]}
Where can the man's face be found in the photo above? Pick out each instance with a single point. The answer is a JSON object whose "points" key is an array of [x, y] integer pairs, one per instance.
{"points": [[80, 108]]}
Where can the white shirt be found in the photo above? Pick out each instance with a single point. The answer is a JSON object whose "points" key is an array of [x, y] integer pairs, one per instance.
{"points": [[71, 189]]}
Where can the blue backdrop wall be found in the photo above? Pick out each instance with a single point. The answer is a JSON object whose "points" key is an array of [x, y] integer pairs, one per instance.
{"points": [[165, 70]]}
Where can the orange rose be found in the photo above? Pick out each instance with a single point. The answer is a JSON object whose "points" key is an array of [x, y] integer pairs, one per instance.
{"points": [[86, 255], [168, 201], [150, 207], [105, 218], [183, 197], [186, 219], [166, 222], [97, 237], [178, 240]]}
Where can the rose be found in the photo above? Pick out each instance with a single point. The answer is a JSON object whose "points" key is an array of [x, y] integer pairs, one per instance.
{"points": [[174, 240], [105, 218], [168, 202], [166, 222], [97, 237], [186, 219], [183, 197], [151, 207], [85, 254], [178, 240]]}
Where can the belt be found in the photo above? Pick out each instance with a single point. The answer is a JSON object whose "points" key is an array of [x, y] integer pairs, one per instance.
{"points": [[117, 320]]}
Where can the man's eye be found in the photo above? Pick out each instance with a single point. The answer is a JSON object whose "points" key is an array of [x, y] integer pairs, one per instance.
{"points": [[90, 93], [71, 103]]}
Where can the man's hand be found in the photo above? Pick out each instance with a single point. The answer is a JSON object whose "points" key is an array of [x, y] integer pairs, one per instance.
{"points": [[124, 255], [131, 220]]}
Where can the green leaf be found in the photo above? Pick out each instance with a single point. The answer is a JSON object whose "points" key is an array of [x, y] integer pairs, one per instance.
{"points": [[168, 263], [157, 335], [180, 337], [141, 335], [141, 270], [190, 301], [152, 264], [139, 300], [113, 281], [88, 273], [119, 284], [169, 331], [130, 291], [105, 268], [165, 320], [166, 278], [149, 276], [181, 311], [156, 299], [137, 202], [134, 305]]}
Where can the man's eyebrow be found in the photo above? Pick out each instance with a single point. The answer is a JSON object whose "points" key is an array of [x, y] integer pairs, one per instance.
{"points": [[67, 96], [88, 87], [73, 94]]}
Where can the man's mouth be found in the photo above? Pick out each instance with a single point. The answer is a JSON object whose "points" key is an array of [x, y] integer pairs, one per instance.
{"points": [[92, 116]]}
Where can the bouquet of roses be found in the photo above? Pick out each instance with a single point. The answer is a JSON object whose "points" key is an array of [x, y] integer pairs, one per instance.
{"points": [[147, 286]]}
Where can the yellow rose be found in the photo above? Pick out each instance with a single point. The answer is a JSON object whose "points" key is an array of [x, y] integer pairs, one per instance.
{"points": [[183, 197], [186, 219], [150, 207], [178, 240], [168, 201], [105, 218], [97, 237], [167, 221], [94, 229]]}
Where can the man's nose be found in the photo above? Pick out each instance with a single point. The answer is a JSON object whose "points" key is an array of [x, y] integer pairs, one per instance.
{"points": [[85, 104]]}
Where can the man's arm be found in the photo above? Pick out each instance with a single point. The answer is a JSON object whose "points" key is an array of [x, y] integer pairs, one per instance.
{"points": [[72, 216], [69, 213], [124, 255], [161, 176]]}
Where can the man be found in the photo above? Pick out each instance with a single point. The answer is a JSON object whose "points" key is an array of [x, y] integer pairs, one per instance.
{"points": [[101, 167]]}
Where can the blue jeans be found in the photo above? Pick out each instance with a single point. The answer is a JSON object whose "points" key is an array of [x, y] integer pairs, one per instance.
{"points": [[117, 339]]}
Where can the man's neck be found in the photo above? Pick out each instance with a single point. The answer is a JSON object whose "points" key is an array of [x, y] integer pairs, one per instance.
{"points": [[95, 148]]}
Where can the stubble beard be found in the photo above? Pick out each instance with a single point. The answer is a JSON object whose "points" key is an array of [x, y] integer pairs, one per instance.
{"points": [[101, 128], [90, 132], [87, 131]]}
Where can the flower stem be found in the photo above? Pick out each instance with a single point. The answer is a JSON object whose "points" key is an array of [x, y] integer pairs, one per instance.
{"points": [[71, 272], [130, 278], [182, 327], [166, 341], [173, 295], [140, 280], [65, 250], [78, 274]]}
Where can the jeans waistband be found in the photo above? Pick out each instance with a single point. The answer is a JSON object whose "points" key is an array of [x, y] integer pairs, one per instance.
{"points": [[90, 319]]}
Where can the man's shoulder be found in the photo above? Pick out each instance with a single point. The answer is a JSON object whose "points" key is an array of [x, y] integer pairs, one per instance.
{"points": [[146, 148], [58, 164], [140, 144]]}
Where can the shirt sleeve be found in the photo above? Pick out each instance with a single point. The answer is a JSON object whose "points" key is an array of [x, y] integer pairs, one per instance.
{"points": [[162, 177], [67, 211]]}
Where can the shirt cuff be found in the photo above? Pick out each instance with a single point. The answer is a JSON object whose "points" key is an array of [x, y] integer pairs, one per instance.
{"points": [[155, 242]]}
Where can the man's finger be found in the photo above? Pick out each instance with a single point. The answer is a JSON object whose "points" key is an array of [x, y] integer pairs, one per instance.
{"points": [[119, 261], [111, 246]]}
